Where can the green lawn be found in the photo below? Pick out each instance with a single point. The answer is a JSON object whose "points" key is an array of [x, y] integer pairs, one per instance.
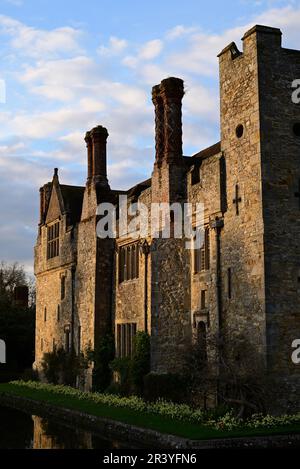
{"points": [[151, 421]]}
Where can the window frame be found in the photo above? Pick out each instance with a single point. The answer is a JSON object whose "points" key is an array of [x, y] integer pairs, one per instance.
{"points": [[53, 240], [128, 262], [125, 334], [201, 256]]}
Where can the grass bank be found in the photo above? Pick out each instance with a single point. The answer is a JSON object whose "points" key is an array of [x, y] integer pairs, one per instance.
{"points": [[165, 418]]}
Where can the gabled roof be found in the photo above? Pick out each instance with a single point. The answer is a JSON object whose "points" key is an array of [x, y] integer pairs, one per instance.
{"points": [[207, 152], [139, 188], [73, 199]]}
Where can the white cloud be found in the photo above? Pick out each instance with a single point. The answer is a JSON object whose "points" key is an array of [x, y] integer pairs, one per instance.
{"points": [[148, 51], [45, 124], [36, 43], [287, 19], [151, 49], [179, 31], [116, 46], [61, 79], [202, 102], [152, 73], [11, 149]]}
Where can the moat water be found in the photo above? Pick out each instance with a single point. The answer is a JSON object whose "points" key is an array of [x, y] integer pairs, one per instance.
{"points": [[20, 430]]}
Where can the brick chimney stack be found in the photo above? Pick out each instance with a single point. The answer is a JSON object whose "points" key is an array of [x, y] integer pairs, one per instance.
{"points": [[167, 99], [45, 193], [98, 136], [159, 124], [89, 147]]}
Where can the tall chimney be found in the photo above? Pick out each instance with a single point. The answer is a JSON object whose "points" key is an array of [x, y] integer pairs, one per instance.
{"points": [[42, 205], [45, 193], [99, 136], [172, 91], [159, 124], [89, 147]]}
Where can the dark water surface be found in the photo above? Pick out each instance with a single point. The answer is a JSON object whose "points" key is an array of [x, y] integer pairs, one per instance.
{"points": [[20, 430]]}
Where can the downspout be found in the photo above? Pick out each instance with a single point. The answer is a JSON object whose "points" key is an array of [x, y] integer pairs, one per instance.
{"points": [[145, 249], [217, 225], [73, 269]]}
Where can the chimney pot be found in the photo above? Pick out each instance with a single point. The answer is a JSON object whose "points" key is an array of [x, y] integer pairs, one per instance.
{"points": [[89, 146], [167, 99], [99, 136]]}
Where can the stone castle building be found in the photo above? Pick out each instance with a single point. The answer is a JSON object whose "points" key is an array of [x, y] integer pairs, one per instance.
{"points": [[246, 276]]}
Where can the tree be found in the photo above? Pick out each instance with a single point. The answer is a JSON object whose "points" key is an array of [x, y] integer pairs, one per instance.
{"points": [[17, 324], [233, 375]]}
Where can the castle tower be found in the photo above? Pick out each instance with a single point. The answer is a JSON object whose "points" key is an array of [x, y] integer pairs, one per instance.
{"points": [[260, 239]]}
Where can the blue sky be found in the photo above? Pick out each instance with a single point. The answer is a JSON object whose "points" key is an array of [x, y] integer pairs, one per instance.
{"points": [[70, 65]]}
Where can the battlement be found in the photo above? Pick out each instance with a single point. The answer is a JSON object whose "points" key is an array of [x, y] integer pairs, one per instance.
{"points": [[262, 29], [265, 35]]}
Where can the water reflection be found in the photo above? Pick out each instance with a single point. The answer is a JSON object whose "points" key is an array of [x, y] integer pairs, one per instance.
{"points": [[20, 430], [47, 434]]}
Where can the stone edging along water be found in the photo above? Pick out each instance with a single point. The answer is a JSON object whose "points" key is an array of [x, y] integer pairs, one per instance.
{"points": [[146, 438]]}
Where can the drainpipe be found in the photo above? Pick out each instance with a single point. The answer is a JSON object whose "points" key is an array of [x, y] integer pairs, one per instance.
{"points": [[73, 269], [217, 225], [145, 249]]}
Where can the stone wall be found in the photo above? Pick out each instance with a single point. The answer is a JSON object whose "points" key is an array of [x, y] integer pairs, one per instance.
{"points": [[207, 192], [129, 295], [242, 244], [50, 325], [280, 152], [94, 276]]}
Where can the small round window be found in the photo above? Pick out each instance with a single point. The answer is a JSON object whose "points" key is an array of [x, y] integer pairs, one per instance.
{"points": [[239, 131], [296, 129]]}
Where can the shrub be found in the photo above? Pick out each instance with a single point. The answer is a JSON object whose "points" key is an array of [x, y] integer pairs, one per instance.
{"points": [[30, 375], [122, 367], [140, 365], [114, 388], [182, 412], [169, 386], [102, 356], [63, 367]]}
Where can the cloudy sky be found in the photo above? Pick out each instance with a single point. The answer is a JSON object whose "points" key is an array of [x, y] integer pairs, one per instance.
{"points": [[70, 65]]}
